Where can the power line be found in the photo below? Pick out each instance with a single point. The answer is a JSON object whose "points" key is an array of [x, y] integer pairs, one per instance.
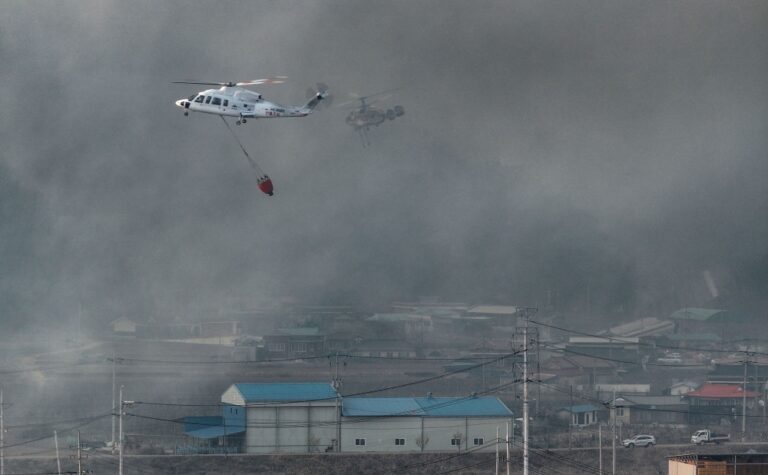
{"points": [[361, 393], [38, 439]]}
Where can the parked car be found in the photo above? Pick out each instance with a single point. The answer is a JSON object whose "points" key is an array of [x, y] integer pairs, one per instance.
{"points": [[706, 436], [639, 441]]}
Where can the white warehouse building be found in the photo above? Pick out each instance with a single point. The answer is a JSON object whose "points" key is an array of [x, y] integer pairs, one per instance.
{"points": [[314, 417], [421, 424]]}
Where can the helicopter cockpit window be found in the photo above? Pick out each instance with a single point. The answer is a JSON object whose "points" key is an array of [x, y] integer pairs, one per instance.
{"points": [[207, 99], [199, 99], [216, 101], [226, 102], [192, 97]]}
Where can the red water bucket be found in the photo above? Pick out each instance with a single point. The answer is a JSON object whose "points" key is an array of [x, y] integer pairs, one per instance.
{"points": [[265, 185]]}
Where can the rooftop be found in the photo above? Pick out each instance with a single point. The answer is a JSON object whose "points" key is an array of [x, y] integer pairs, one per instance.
{"points": [[641, 327], [699, 314], [281, 392], [720, 391], [209, 427], [299, 331], [397, 317], [728, 459], [425, 407], [493, 309]]}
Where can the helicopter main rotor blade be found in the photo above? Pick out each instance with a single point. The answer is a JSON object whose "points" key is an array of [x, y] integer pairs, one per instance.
{"points": [[200, 83], [253, 82], [256, 82]]}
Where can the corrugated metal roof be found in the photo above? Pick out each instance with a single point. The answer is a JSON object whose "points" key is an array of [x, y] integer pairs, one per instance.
{"points": [[209, 427], [279, 392], [700, 314], [425, 407], [380, 406], [494, 309], [398, 317], [462, 407], [720, 391]]}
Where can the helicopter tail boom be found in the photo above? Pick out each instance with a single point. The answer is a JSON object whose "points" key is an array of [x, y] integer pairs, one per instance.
{"points": [[312, 103]]}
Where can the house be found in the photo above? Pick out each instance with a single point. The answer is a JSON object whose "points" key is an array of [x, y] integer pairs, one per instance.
{"points": [[295, 342], [581, 415], [642, 409], [714, 403]]}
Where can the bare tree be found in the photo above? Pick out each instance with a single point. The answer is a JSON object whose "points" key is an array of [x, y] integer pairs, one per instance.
{"points": [[422, 441], [459, 437]]}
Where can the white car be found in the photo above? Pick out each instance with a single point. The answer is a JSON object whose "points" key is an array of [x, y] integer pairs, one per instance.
{"points": [[639, 441]]}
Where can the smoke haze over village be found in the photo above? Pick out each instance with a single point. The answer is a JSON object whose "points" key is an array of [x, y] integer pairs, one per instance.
{"points": [[595, 155]]}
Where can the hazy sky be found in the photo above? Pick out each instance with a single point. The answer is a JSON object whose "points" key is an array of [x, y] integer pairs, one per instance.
{"points": [[549, 150]]}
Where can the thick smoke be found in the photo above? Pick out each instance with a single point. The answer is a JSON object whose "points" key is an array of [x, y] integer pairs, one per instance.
{"points": [[582, 156]]}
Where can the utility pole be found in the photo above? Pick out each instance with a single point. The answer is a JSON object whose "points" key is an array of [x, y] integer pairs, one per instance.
{"points": [[613, 436], [509, 466], [58, 460], [744, 401], [2, 434], [79, 455], [120, 463], [497, 451], [121, 436], [600, 448], [114, 408], [570, 426], [525, 396], [337, 386]]}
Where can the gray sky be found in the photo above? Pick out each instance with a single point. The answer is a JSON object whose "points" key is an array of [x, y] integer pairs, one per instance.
{"points": [[548, 147]]}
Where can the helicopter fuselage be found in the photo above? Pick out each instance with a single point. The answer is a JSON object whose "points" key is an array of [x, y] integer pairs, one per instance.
{"points": [[241, 103]]}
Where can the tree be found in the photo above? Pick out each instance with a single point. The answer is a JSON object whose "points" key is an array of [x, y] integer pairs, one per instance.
{"points": [[422, 441], [460, 437]]}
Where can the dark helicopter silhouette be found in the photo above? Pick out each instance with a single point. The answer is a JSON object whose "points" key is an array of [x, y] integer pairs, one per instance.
{"points": [[366, 115]]}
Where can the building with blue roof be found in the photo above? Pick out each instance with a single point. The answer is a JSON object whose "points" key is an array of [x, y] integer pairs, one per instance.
{"points": [[421, 424], [287, 417], [314, 417]]}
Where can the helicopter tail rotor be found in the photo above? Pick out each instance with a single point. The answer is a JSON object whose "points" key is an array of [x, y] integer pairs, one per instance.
{"points": [[325, 99]]}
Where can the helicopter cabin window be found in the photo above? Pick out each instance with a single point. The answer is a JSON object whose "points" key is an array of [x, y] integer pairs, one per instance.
{"points": [[216, 101], [226, 102], [199, 99], [207, 99]]}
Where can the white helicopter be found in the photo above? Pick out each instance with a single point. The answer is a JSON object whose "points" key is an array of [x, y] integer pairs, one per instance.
{"points": [[233, 100]]}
